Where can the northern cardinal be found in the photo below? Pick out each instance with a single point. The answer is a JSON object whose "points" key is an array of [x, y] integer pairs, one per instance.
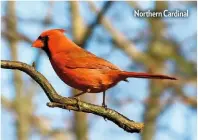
{"points": [[81, 69]]}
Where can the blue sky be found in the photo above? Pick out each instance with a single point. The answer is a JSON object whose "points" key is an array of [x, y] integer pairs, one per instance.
{"points": [[174, 118]]}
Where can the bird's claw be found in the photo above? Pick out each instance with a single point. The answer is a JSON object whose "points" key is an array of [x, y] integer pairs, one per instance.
{"points": [[105, 106], [77, 102]]}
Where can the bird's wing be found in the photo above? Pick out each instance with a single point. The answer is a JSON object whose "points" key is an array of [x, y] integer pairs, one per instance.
{"points": [[84, 59]]}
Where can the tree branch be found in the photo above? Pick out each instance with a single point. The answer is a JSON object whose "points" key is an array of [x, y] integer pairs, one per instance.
{"points": [[71, 103], [6, 103], [122, 42], [92, 26]]}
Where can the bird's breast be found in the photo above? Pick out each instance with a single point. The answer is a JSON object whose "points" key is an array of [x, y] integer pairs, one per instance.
{"points": [[96, 80]]}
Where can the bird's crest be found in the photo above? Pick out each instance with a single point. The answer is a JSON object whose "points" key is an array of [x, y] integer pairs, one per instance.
{"points": [[61, 30]]}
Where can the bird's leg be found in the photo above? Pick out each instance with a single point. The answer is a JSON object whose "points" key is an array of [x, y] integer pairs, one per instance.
{"points": [[77, 97], [103, 102], [81, 93]]}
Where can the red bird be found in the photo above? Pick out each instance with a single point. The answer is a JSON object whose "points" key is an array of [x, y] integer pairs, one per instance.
{"points": [[81, 69]]}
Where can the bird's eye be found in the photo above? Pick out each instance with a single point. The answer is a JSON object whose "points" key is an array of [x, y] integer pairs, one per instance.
{"points": [[40, 38], [43, 38]]}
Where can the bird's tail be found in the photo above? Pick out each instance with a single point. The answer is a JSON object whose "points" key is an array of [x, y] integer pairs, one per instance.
{"points": [[126, 74]]}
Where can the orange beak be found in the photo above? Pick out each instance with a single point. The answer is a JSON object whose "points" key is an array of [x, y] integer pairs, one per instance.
{"points": [[37, 44]]}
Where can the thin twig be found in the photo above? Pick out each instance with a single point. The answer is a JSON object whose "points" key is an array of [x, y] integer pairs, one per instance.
{"points": [[121, 41], [90, 29]]}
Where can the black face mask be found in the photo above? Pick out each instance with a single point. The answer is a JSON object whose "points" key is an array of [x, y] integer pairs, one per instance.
{"points": [[45, 39]]}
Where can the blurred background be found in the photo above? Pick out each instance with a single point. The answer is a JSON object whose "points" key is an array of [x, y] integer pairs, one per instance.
{"points": [[109, 30]]}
